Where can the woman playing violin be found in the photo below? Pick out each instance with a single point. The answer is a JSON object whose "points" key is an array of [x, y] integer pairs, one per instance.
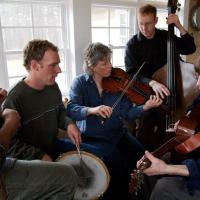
{"points": [[101, 125], [183, 181]]}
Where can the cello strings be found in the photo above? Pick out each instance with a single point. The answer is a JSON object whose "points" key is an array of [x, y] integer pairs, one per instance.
{"points": [[127, 86]]}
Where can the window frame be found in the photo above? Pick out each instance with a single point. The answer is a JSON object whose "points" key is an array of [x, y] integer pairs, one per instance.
{"points": [[133, 5], [4, 77], [130, 26]]}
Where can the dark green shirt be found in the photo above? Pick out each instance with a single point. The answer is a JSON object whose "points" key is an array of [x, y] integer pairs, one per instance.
{"points": [[42, 113]]}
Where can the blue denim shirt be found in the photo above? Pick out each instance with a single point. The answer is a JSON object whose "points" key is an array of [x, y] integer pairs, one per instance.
{"points": [[84, 94]]}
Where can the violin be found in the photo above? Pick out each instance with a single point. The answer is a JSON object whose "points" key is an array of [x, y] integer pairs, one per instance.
{"points": [[137, 92]]}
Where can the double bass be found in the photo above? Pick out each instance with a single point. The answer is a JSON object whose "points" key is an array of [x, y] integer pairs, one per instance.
{"points": [[184, 141], [177, 75], [172, 66]]}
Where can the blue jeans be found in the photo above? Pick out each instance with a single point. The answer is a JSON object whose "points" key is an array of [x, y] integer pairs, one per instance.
{"points": [[120, 159], [65, 145]]}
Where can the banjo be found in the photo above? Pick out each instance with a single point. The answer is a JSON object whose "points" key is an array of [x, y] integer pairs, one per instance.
{"points": [[98, 180]]}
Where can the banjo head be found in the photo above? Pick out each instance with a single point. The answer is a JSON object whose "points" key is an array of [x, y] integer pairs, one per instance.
{"points": [[97, 184]]}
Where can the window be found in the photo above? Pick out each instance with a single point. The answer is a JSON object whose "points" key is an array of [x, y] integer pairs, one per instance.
{"points": [[24, 21], [162, 14], [115, 25], [111, 26], [160, 1]]}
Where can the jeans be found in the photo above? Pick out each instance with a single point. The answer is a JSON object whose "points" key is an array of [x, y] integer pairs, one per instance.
{"points": [[40, 180], [120, 159], [172, 188], [65, 145]]}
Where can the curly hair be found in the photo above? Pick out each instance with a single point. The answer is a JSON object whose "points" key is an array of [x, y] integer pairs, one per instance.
{"points": [[93, 53], [35, 50]]}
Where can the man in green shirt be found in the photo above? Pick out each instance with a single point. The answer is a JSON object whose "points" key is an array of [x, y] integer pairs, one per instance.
{"points": [[38, 100], [35, 179]]}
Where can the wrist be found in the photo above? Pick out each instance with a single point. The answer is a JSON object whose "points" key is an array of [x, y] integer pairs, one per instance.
{"points": [[168, 169], [151, 83], [146, 107], [180, 170], [89, 111], [182, 30]]}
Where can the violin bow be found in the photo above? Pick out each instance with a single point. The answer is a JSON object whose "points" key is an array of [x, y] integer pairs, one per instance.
{"points": [[127, 86]]}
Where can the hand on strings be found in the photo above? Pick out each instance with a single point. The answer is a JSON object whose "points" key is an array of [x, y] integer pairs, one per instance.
{"points": [[103, 111], [159, 89], [173, 18], [157, 167], [74, 134], [153, 102]]}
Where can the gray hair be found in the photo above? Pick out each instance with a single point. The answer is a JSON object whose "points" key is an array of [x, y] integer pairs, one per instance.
{"points": [[94, 53]]}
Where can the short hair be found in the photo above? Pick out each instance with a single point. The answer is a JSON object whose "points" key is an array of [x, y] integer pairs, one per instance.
{"points": [[93, 53], [35, 50], [148, 9]]}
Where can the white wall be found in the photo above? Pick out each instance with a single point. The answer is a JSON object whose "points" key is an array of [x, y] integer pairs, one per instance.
{"points": [[3, 71], [80, 28], [80, 31]]}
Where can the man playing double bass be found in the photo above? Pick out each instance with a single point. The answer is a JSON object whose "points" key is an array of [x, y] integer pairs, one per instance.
{"points": [[150, 45]]}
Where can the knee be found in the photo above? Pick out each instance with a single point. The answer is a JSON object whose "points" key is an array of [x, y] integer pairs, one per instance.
{"points": [[160, 190], [67, 176]]}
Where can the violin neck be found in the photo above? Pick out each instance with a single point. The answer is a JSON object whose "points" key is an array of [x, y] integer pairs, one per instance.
{"points": [[159, 152], [166, 147]]}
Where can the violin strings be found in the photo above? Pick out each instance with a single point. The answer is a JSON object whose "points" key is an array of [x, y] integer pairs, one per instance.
{"points": [[127, 86]]}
